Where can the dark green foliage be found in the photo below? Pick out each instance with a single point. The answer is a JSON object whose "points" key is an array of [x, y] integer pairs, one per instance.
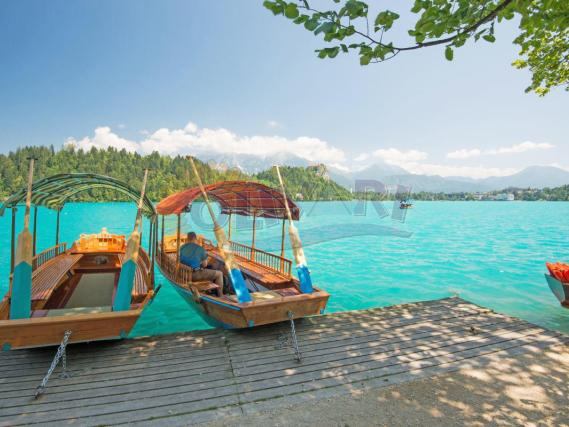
{"points": [[311, 182], [167, 174], [557, 194]]}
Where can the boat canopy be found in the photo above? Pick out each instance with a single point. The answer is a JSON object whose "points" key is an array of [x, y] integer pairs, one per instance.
{"points": [[235, 197], [54, 191]]}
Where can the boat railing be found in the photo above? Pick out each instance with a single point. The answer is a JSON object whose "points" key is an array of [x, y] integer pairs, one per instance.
{"points": [[50, 253], [143, 255], [266, 259], [180, 273], [100, 242]]}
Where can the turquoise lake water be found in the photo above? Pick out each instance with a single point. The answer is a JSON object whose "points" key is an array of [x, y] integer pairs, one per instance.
{"points": [[491, 253]]}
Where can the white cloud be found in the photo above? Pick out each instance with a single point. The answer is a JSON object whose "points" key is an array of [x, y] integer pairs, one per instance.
{"points": [[449, 170], [340, 167], [516, 148], [464, 154], [103, 138], [362, 157], [195, 141], [413, 161], [397, 157]]}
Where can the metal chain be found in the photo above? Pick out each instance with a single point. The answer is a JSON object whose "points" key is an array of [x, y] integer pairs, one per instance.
{"points": [[61, 354], [293, 335]]}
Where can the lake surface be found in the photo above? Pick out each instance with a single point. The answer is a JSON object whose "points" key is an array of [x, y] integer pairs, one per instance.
{"points": [[491, 253]]}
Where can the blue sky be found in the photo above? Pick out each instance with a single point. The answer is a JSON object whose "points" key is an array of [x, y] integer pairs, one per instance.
{"points": [[134, 74]]}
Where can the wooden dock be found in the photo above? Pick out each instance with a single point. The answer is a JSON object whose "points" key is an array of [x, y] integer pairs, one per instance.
{"points": [[200, 376]]}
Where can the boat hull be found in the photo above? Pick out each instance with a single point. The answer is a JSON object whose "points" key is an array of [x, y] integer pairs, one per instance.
{"points": [[559, 289], [190, 299], [232, 316], [49, 331]]}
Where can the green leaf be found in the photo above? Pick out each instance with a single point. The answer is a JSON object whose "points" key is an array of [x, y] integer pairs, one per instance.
{"points": [[301, 19], [273, 7], [344, 48], [449, 53], [385, 19], [489, 38], [291, 11], [365, 59], [311, 24], [325, 28], [417, 7], [333, 51]]}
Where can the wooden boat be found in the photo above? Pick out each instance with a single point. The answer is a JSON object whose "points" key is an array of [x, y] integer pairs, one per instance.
{"points": [[275, 295], [74, 288], [558, 281]]}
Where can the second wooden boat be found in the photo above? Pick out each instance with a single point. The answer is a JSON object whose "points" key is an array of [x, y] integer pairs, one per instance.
{"points": [[272, 294]]}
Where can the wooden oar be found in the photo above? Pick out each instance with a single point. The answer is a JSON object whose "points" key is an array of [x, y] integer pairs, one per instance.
{"points": [[129, 265], [21, 298], [235, 274], [298, 252]]}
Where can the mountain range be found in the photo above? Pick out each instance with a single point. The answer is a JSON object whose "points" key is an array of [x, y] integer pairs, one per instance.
{"points": [[531, 177]]}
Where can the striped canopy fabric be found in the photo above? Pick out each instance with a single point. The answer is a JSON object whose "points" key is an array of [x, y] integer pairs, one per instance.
{"points": [[237, 197], [53, 192]]}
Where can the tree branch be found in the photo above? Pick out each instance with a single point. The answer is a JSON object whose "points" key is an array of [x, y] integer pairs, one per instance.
{"points": [[489, 17]]}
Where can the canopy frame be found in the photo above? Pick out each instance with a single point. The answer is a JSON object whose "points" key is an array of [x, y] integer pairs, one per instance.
{"points": [[53, 192]]}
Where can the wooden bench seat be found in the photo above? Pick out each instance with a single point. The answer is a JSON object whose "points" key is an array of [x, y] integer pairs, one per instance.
{"points": [[263, 296], [287, 292], [204, 286], [258, 272], [201, 286], [46, 278], [261, 273]]}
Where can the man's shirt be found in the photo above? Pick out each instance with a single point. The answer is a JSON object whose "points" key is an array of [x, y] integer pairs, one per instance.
{"points": [[192, 255]]}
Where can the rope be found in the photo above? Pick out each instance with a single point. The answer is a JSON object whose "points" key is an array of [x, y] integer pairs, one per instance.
{"points": [[60, 355]]}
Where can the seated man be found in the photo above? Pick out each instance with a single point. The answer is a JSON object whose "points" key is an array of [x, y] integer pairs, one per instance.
{"points": [[195, 257]]}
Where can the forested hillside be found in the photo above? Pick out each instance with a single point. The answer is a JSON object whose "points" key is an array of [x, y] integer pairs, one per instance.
{"points": [[168, 174], [310, 183]]}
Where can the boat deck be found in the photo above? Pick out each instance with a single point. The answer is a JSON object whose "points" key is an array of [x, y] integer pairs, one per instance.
{"points": [[195, 377]]}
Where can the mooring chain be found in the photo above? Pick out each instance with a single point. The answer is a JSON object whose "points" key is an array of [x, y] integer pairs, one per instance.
{"points": [[282, 341], [60, 355], [293, 335]]}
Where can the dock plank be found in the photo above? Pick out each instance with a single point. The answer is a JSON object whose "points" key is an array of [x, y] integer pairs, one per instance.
{"points": [[195, 377]]}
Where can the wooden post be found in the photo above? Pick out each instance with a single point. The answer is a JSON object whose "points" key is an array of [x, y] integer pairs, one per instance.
{"points": [[154, 247], [150, 237], [35, 230], [229, 229], [13, 241], [178, 241], [57, 228], [283, 245], [253, 239], [162, 243]]}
